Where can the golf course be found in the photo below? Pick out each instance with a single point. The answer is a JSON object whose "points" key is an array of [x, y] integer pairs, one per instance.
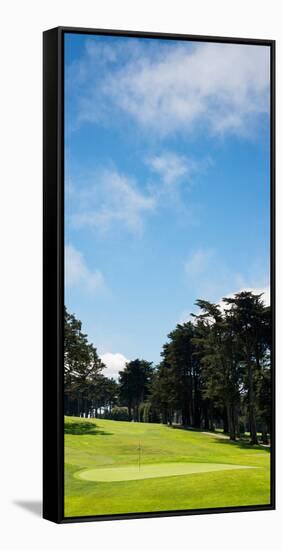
{"points": [[115, 467]]}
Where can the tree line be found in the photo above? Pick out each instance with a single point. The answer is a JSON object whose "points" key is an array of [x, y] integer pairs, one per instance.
{"points": [[215, 372]]}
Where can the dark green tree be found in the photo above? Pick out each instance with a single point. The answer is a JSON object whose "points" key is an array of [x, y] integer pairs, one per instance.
{"points": [[250, 323], [81, 366], [134, 383], [163, 393], [221, 370]]}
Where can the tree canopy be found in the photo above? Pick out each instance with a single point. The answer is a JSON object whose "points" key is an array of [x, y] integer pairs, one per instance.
{"points": [[215, 372]]}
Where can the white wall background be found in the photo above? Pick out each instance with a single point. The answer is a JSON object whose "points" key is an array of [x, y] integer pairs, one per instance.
{"points": [[22, 23]]}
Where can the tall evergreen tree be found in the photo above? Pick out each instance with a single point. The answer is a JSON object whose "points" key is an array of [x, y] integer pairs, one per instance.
{"points": [[249, 318], [134, 382], [221, 367], [81, 366]]}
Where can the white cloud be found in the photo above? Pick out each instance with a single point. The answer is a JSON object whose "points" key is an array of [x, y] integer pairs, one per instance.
{"points": [[78, 274], [187, 316], [101, 52], [169, 166], [114, 362], [172, 167], [114, 199], [265, 291], [109, 200], [198, 262], [218, 87], [209, 278]]}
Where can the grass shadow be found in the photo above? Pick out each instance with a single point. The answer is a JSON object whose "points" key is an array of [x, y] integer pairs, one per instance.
{"points": [[220, 437], [197, 430], [243, 444], [84, 428]]}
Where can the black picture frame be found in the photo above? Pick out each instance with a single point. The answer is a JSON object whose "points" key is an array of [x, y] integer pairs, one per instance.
{"points": [[53, 270]]}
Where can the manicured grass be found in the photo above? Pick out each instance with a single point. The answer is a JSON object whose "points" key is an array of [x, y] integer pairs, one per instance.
{"points": [[176, 462], [126, 473]]}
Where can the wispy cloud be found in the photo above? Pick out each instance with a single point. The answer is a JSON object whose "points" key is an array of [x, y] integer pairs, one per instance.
{"points": [[78, 274], [108, 200], [173, 168], [199, 262], [115, 362], [211, 279], [113, 200], [219, 88]]}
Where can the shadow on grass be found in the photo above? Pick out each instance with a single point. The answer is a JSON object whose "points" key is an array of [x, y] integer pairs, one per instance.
{"points": [[243, 444], [186, 428], [221, 437], [84, 428]]}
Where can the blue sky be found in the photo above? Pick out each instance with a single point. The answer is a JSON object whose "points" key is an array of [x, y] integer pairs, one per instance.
{"points": [[167, 184]]}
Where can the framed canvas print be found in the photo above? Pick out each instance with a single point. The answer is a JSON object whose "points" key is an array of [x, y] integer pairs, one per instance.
{"points": [[159, 385]]}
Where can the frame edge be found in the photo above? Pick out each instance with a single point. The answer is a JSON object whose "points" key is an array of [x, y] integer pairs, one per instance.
{"points": [[52, 273]]}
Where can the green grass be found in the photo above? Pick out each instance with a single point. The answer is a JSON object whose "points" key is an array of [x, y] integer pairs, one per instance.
{"points": [[179, 469], [145, 471]]}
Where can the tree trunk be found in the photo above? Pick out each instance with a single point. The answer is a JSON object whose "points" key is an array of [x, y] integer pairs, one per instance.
{"points": [[236, 422], [225, 421], [264, 435], [136, 414], [231, 423], [170, 415], [206, 418], [196, 403], [185, 416], [252, 415], [190, 406], [211, 427], [197, 417]]}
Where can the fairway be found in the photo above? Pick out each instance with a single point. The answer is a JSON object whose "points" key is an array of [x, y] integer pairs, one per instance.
{"points": [[179, 469], [127, 473]]}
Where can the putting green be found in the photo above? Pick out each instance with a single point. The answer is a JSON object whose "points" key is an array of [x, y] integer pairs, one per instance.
{"points": [[131, 472]]}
